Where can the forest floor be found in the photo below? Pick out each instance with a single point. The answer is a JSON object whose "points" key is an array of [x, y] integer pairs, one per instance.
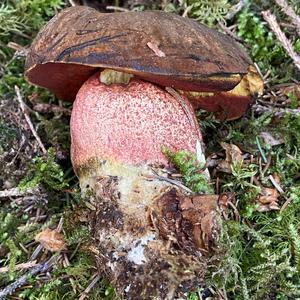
{"points": [[255, 159]]}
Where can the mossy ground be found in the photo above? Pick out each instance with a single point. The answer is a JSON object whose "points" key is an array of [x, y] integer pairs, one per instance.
{"points": [[262, 248]]}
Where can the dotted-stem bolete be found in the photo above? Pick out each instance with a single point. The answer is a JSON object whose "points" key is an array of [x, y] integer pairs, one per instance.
{"points": [[132, 75]]}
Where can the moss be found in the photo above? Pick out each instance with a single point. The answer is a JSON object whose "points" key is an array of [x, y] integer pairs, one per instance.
{"points": [[45, 171], [209, 12], [7, 135], [192, 171], [263, 46], [57, 132]]}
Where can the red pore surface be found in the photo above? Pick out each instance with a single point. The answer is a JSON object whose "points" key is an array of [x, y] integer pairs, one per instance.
{"points": [[129, 123]]}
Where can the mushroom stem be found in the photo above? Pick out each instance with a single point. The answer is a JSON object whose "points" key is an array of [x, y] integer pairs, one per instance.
{"points": [[151, 234]]}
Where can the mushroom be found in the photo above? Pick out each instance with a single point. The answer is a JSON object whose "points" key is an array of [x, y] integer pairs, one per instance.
{"points": [[207, 66], [151, 233]]}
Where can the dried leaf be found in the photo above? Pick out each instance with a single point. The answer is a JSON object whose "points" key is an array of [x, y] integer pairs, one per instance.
{"points": [[293, 89], [270, 140], [267, 200], [51, 240], [233, 155]]}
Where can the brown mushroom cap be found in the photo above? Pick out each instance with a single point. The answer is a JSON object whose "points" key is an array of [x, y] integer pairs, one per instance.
{"points": [[229, 105], [159, 47]]}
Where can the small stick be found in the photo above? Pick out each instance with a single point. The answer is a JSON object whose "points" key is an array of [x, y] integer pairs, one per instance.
{"points": [[20, 50], [290, 13], [172, 181], [271, 20], [72, 3], [259, 71], [22, 266], [95, 278], [267, 165], [256, 182], [276, 185], [277, 111], [36, 252], [229, 32], [14, 192], [23, 248], [117, 8], [22, 105], [235, 9], [285, 204], [186, 11], [60, 225], [235, 211]]}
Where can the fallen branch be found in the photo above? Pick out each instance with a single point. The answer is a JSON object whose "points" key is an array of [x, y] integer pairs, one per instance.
{"points": [[22, 105], [271, 20], [290, 13], [276, 111]]}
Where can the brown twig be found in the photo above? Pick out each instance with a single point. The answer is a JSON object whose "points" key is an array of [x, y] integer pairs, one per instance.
{"points": [[285, 204], [95, 278], [267, 165], [229, 32], [22, 105], [290, 13], [235, 211], [271, 20], [256, 181]]}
